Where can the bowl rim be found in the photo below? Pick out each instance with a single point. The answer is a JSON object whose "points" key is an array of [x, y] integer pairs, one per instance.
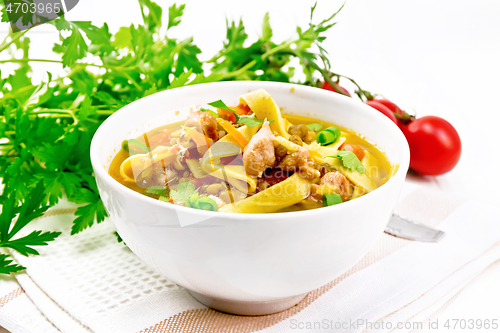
{"points": [[105, 176]]}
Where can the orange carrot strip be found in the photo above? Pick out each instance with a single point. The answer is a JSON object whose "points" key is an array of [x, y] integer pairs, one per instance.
{"points": [[201, 140], [235, 134], [357, 150]]}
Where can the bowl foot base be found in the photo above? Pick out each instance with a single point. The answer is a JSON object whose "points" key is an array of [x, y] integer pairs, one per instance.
{"points": [[248, 308]]}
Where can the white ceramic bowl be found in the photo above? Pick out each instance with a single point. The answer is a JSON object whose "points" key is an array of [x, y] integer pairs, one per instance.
{"points": [[248, 263]]}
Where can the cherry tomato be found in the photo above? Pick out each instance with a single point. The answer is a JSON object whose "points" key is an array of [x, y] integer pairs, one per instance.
{"points": [[390, 105], [384, 109], [435, 145], [327, 86]]}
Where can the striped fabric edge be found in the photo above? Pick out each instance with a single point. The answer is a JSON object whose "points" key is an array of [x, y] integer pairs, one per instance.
{"points": [[427, 292], [58, 211], [209, 320], [19, 291], [10, 296]]}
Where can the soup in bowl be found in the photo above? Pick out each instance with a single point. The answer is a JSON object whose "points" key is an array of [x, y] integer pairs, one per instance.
{"points": [[252, 205]]}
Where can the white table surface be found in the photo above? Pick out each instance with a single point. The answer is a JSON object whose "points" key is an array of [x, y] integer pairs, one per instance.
{"points": [[436, 57]]}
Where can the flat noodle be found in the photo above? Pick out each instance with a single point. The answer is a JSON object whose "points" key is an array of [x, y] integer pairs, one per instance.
{"points": [[338, 143], [358, 191], [287, 193], [324, 151], [370, 167], [248, 133], [233, 174], [290, 146], [195, 168], [236, 176], [134, 165], [262, 104]]}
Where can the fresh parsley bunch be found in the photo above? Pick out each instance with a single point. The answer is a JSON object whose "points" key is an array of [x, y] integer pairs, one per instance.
{"points": [[46, 128]]}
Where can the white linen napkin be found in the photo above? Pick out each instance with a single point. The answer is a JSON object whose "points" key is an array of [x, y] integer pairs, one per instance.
{"points": [[91, 283]]}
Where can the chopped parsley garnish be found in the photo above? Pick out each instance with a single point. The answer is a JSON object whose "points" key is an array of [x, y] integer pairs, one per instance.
{"points": [[156, 190], [206, 203], [328, 136], [314, 127], [210, 111], [331, 199], [134, 146], [162, 198], [350, 161], [184, 191], [220, 105], [249, 121], [203, 203]]}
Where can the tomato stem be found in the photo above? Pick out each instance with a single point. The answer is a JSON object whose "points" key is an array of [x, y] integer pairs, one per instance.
{"points": [[328, 74], [405, 117]]}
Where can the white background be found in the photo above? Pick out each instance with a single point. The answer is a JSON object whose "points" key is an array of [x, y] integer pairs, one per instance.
{"points": [[434, 57]]}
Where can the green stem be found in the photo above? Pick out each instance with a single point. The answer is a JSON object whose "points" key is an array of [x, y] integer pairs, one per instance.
{"points": [[29, 60], [104, 112], [364, 93], [15, 37], [307, 66], [57, 113], [117, 68], [133, 81]]}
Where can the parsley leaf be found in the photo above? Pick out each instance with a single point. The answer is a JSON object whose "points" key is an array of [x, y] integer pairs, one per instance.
{"points": [[267, 31], [220, 105], [181, 80], [174, 15], [46, 128], [350, 161], [86, 215], [73, 47], [7, 267], [35, 238], [184, 190], [34, 206], [187, 58], [152, 20]]}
